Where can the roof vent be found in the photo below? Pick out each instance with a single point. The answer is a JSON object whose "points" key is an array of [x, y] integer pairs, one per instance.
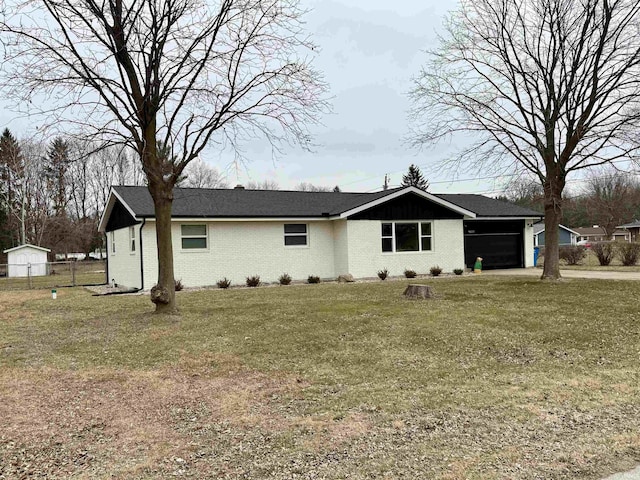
{"points": [[239, 187]]}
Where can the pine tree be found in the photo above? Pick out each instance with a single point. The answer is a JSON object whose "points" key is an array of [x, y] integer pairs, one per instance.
{"points": [[11, 181], [58, 160], [414, 178]]}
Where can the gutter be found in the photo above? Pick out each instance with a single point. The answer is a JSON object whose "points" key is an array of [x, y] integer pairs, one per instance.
{"points": [[106, 248]]}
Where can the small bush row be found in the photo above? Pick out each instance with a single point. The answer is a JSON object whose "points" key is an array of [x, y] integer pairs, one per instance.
{"points": [[254, 281], [605, 252], [409, 273], [285, 278]]}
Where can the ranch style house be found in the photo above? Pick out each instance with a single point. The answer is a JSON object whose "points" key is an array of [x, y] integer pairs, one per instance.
{"points": [[235, 233]]}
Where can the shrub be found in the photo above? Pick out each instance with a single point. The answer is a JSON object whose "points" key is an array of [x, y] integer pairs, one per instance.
{"points": [[179, 285], [253, 281], [603, 251], [458, 271], [410, 273], [224, 283], [313, 279], [628, 253], [435, 271], [572, 254], [383, 274], [284, 279]]}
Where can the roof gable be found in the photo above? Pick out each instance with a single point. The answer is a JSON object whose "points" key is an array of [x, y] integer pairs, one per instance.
{"points": [[26, 245], [408, 206], [538, 228]]}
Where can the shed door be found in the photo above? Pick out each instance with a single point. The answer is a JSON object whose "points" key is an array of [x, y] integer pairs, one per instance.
{"points": [[499, 243]]}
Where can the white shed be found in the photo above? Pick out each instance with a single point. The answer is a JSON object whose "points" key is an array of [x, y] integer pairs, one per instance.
{"points": [[27, 260]]}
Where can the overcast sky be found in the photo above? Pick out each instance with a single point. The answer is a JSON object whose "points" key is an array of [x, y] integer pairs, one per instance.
{"points": [[369, 50]]}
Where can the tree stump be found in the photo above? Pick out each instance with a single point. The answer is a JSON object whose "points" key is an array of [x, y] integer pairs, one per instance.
{"points": [[419, 291]]}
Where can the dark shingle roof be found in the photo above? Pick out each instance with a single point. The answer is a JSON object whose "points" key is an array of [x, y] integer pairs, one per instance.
{"points": [[488, 207], [234, 203], [201, 202]]}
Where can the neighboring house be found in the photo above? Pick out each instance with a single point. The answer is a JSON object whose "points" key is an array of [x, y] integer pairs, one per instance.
{"points": [[566, 236], [27, 260], [235, 233], [632, 230], [592, 234], [597, 234]]}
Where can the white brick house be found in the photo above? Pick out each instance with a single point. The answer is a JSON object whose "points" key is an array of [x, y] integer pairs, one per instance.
{"points": [[236, 233]]}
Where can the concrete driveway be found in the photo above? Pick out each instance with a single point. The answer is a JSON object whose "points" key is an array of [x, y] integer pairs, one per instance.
{"points": [[630, 475], [592, 274]]}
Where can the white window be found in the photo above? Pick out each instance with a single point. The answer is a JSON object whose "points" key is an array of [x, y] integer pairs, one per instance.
{"points": [[113, 242], [407, 237], [295, 234], [132, 239], [194, 237]]}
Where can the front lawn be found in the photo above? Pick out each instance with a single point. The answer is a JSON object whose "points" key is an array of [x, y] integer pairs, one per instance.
{"points": [[590, 262], [497, 378]]}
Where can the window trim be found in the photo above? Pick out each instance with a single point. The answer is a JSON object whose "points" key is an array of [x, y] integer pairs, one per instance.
{"points": [[206, 237], [305, 235], [113, 242], [393, 236]]}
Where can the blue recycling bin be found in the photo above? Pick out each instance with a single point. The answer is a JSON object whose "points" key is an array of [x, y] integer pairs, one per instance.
{"points": [[536, 252]]}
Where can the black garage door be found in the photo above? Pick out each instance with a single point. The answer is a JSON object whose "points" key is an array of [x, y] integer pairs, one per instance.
{"points": [[499, 243]]}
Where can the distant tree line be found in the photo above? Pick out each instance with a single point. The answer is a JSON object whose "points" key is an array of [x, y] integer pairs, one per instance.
{"points": [[53, 193], [609, 198]]}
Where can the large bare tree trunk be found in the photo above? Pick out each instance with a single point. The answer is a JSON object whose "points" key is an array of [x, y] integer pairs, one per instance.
{"points": [[164, 293], [553, 187]]}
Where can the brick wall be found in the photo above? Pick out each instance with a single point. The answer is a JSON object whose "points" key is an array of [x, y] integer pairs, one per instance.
{"points": [[237, 250], [366, 256], [124, 265]]}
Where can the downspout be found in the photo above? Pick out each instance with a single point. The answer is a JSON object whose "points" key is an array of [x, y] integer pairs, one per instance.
{"points": [[106, 247], [144, 220]]}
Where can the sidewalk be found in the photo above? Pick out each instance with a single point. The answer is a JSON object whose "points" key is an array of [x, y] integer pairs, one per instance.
{"points": [[591, 274], [630, 475]]}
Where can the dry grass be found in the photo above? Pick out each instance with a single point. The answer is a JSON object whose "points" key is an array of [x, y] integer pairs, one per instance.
{"points": [[497, 378], [86, 273]]}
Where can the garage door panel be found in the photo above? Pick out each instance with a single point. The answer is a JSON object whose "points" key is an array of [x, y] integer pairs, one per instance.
{"points": [[498, 243]]}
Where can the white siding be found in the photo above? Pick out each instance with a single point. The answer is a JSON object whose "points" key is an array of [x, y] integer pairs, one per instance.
{"points": [[27, 261], [366, 256], [341, 259], [528, 245], [124, 265], [237, 250]]}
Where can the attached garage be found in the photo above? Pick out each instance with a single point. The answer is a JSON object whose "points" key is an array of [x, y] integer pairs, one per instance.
{"points": [[500, 243]]}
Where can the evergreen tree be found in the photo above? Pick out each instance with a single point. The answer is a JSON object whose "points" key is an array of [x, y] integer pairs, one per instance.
{"points": [[58, 160], [414, 178], [11, 181]]}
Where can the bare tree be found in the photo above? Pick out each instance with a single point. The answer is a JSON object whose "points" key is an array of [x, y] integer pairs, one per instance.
{"points": [[180, 73], [526, 192], [309, 187], [546, 86], [612, 198], [263, 185], [200, 174]]}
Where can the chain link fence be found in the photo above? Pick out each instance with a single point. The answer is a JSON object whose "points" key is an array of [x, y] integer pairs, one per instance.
{"points": [[51, 275]]}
